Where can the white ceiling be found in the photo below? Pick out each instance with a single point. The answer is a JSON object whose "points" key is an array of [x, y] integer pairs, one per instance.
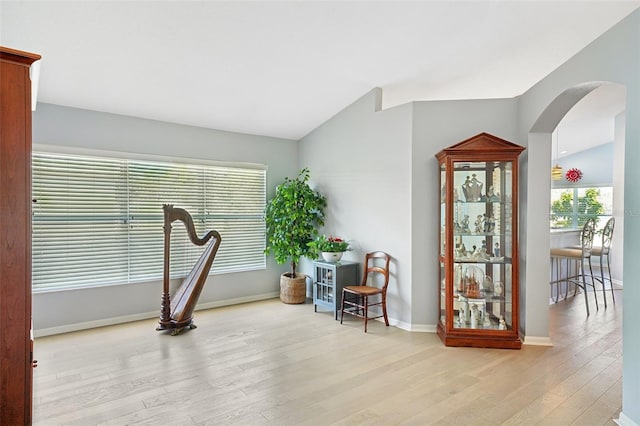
{"points": [[283, 68]]}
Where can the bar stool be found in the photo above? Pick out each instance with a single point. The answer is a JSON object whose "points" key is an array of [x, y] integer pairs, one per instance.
{"points": [[601, 252], [569, 266], [582, 255]]}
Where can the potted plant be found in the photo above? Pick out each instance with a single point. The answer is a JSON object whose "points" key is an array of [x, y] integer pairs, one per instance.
{"points": [[292, 217], [332, 248]]}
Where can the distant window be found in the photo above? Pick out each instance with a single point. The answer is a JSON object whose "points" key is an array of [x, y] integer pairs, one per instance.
{"points": [[98, 221], [570, 208]]}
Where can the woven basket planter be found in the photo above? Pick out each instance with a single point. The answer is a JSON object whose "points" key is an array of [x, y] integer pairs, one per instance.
{"points": [[293, 290]]}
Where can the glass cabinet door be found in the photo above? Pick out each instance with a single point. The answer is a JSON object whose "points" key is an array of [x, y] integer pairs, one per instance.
{"points": [[482, 252], [443, 236]]}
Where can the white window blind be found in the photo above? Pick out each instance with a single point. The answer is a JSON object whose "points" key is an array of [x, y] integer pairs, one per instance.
{"points": [[98, 220]]}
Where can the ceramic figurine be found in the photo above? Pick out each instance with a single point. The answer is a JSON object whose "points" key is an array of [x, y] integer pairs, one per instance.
{"points": [[479, 224], [489, 224], [492, 225], [496, 250], [487, 284], [475, 188], [491, 196], [487, 322], [497, 289], [475, 254], [465, 189], [483, 251], [502, 325], [483, 254], [461, 316], [475, 316], [465, 224]]}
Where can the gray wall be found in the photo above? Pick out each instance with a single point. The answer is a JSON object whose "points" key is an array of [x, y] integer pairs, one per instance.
{"points": [[528, 120], [360, 160], [88, 130], [377, 171], [437, 125], [614, 57], [596, 165], [600, 168]]}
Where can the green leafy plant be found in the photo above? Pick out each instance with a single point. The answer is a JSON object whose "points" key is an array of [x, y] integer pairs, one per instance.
{"points": [[292, 217], [565, 208], [329, 244]]}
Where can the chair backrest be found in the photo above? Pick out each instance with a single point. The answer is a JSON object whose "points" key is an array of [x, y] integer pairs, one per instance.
{"points": [[586, 237], [376, 262], [607, 235]]}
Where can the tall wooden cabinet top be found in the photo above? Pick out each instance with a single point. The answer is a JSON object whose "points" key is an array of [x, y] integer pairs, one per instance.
{"points": [[16, 345], [478, 253]]}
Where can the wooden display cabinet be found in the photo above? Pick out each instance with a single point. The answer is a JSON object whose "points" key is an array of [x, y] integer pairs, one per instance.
{"points": [[16, 343], [478, 252]]}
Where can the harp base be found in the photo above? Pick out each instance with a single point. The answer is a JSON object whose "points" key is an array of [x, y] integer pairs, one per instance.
{"points": [[166, 322], [176, 327]]}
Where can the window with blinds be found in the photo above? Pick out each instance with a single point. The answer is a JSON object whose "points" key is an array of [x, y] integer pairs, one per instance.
{"points": [[98, 221]]}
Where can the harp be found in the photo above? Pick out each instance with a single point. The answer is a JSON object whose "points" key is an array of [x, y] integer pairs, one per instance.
{"points": [[176, 312]]}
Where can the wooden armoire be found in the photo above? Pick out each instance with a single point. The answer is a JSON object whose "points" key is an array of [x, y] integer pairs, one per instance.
{"points": [[16, 342]]}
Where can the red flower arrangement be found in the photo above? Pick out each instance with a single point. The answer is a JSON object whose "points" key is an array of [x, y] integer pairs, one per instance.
{"points": [[573, 175], [330, 244]]}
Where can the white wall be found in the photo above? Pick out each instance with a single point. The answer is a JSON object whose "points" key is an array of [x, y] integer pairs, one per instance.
{"points": [[81, 129], [614, 57], [360, 160]]}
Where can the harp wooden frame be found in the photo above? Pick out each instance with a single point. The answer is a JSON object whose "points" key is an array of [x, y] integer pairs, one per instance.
{"points": [[176, 312]]}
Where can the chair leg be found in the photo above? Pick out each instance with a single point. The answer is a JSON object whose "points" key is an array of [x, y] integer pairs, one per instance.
{"points": [[384, 309], [593, 284], [566, 281], [559, 281], [576, 268], [604, 290], [342, 307], [584, 286], [613, 297], [366, 313], [555, 261]]}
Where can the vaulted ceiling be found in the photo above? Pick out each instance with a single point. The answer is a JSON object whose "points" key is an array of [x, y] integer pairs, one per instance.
{"points": [[282, 68]]}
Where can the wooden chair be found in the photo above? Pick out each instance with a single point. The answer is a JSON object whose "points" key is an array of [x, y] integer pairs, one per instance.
{"points": [[581, 255], [357, 299]]}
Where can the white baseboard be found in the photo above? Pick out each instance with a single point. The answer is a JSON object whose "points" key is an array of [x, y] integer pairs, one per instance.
{"points": [[419, 328], [625, 421], [537, 341], [237, 301], [68, 328]]}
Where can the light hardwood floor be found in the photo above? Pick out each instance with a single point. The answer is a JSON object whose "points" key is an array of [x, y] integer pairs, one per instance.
{"points": [[267, 363]]}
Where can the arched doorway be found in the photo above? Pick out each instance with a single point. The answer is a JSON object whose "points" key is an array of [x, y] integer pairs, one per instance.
{"points": [[535, 294]]}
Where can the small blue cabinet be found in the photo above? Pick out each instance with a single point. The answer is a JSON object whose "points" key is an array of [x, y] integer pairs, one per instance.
{"points": [[328, 281]]}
